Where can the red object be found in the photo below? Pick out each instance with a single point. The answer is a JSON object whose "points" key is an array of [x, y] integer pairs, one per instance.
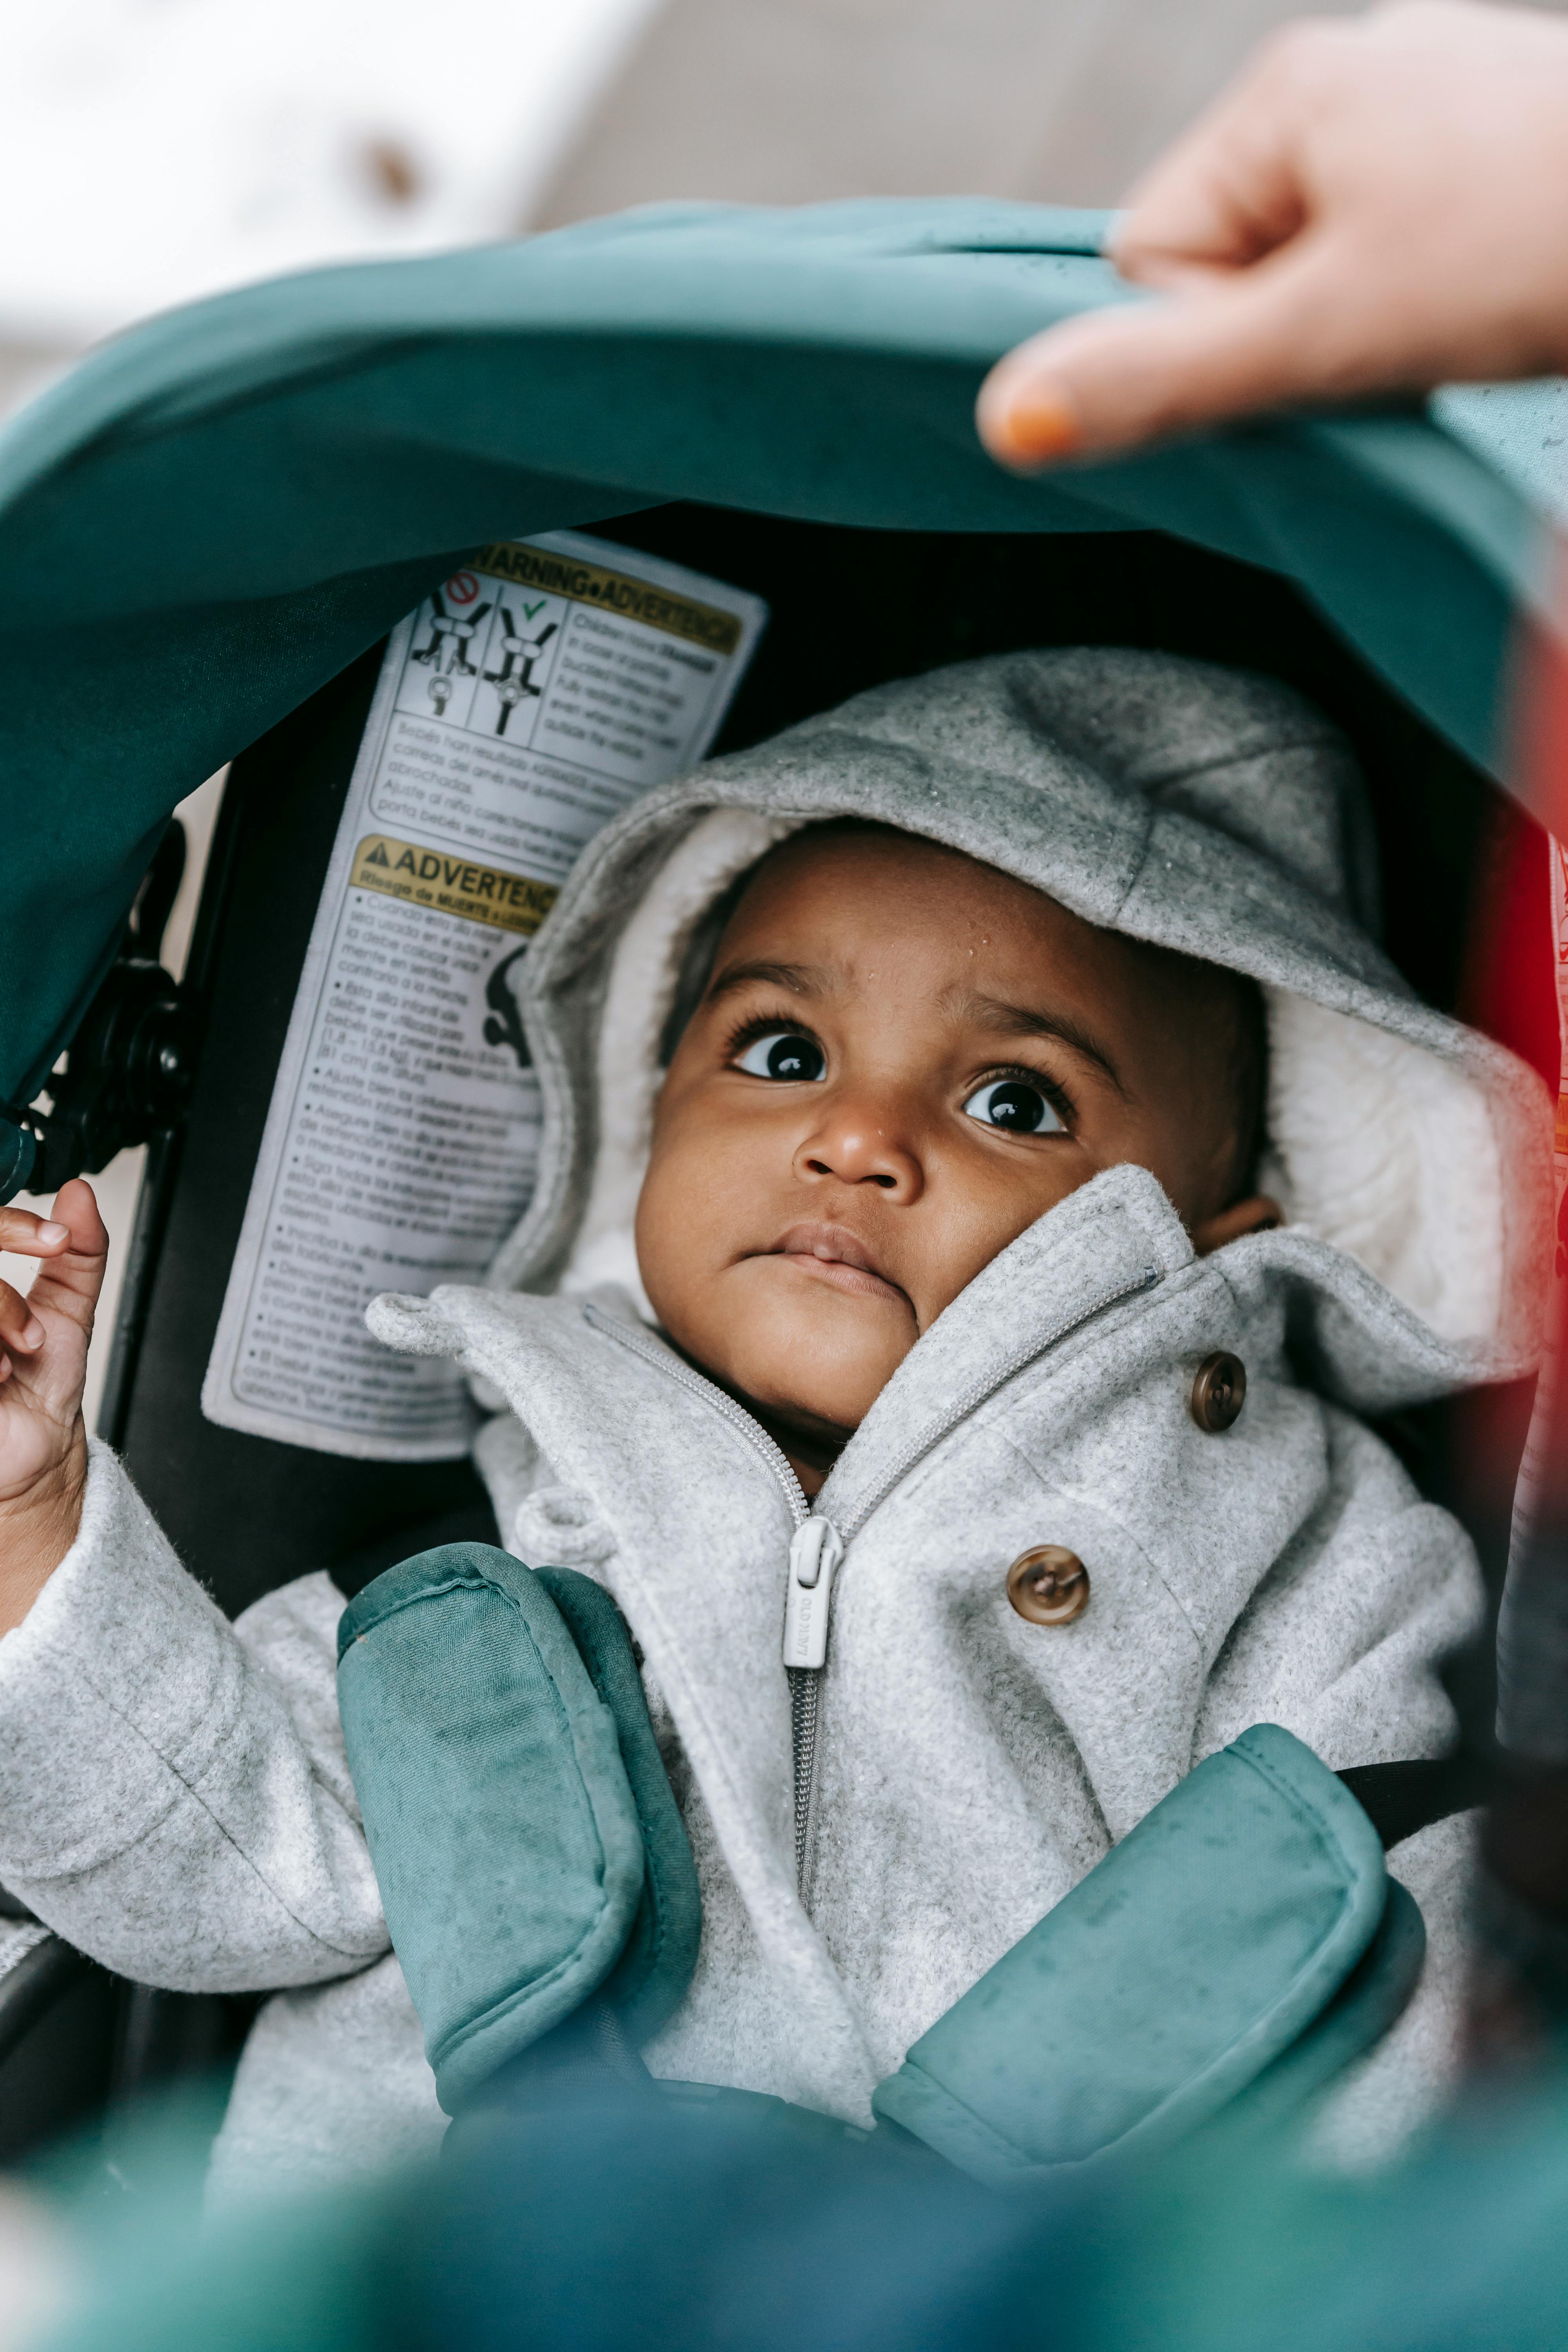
{"points": [[1516, 988]]}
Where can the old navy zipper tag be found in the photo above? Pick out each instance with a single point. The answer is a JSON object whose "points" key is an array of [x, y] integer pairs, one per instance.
{"points": [[814, 1557]]}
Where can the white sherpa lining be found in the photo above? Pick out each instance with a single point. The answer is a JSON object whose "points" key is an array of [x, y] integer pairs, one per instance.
{"points": [[1387, 1150], [1379, 1146]]}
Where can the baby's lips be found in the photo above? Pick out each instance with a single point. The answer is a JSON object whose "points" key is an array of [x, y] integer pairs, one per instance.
{"points": [[857, 1281], [832, 1244]]}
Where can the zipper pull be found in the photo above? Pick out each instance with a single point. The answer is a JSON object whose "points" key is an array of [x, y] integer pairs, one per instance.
{"points": [[814, 1553]]}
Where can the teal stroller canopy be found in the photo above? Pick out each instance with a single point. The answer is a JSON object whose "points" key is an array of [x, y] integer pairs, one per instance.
{"points": [[217, 512]]}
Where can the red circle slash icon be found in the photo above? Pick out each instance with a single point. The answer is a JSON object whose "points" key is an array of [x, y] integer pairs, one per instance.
{"points": [[462, 588]]}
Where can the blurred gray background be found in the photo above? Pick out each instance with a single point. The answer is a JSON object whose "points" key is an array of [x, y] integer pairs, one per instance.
{"points": [[152, 151], [780, 101]]}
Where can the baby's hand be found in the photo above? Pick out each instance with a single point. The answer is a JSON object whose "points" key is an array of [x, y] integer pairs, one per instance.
{"points": [[43, 1365]]}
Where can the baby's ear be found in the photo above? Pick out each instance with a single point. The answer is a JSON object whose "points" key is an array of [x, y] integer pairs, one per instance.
{"points": [[1256, 1215]]}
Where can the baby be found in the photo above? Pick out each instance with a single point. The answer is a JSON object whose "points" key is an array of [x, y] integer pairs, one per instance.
{"points": [[987, 1168], [903, 1058]]}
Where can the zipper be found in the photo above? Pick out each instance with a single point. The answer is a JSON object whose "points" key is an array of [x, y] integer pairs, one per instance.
{"points": [[818, 1544], [803, 1680], [665, 1360], [972, 1398]]}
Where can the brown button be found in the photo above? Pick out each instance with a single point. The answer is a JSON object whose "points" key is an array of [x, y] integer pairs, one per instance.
{"points": [[1049, 1585], [1219, 1391]]}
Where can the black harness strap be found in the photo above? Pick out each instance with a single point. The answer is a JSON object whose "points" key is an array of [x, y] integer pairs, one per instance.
{"points": [[1400, 1799]]}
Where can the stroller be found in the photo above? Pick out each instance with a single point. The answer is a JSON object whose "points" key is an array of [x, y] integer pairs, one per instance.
{"points": [[215, 526]]}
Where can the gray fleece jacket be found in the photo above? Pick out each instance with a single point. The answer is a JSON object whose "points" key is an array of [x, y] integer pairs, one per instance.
{"points": [[173, 1796]]}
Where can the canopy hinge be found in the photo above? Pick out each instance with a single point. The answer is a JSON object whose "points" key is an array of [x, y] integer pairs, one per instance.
{"points": [[126, 1074]]}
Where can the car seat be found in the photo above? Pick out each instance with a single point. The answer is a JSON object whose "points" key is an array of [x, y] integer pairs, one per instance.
{"points": [[240, 501]]}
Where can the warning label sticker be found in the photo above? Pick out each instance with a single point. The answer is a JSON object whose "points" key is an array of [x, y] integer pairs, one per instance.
{"points": [[431, 878], [530, 698], [614, 592]]}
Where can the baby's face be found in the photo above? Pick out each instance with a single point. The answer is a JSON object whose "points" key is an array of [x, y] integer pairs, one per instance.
{"points": [[902, 1059]]}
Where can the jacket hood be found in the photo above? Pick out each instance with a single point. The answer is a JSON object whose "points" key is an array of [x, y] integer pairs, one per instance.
{"points": [[1203, 809]]}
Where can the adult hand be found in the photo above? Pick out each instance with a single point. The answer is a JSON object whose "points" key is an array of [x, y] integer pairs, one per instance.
{"points": [[43, 1366], [1375, 206]]}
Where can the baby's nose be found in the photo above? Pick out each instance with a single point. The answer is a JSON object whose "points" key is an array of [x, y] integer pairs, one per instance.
{"points": [[862, 1151]]}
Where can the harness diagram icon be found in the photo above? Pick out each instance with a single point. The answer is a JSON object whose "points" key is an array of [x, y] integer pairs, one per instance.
{"points": [[512, 683], [484, 663], [451, 633]]}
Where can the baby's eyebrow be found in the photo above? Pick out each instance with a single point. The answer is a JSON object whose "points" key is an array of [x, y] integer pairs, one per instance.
{"points": [[798, 979], [1023, 1020]]}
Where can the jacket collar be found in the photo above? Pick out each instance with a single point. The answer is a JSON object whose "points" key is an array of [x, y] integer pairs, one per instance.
{"points": [[1112, 1240]]}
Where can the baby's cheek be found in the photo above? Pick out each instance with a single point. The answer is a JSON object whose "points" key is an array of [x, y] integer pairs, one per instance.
{"points": [[658, 1234], [685, 1211], [975, 1215]]}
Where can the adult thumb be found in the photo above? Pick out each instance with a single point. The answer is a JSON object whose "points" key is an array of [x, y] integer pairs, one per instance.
{"points": [[1135, 372]]}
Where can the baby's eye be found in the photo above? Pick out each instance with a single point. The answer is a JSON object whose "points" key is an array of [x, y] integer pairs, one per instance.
{"points": [[782, 1053], [1009, 1102]]}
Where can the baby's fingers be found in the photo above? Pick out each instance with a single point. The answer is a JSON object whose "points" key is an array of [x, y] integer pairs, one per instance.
{"points": [[72, 1275], [32, 1237], [21, 1333]]}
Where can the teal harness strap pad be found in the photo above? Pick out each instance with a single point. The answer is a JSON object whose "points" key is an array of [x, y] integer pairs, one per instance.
{"points": [[1200, 1951], [507, 1837], [648, 1981], [1372, 1999]]}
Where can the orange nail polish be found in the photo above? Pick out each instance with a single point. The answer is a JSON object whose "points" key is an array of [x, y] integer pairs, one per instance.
{"points": [[1042, 423]]}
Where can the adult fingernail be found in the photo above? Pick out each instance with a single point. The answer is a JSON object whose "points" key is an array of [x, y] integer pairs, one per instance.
{"points": [[52, 1232], [1041, 423], [33, 1337]]}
